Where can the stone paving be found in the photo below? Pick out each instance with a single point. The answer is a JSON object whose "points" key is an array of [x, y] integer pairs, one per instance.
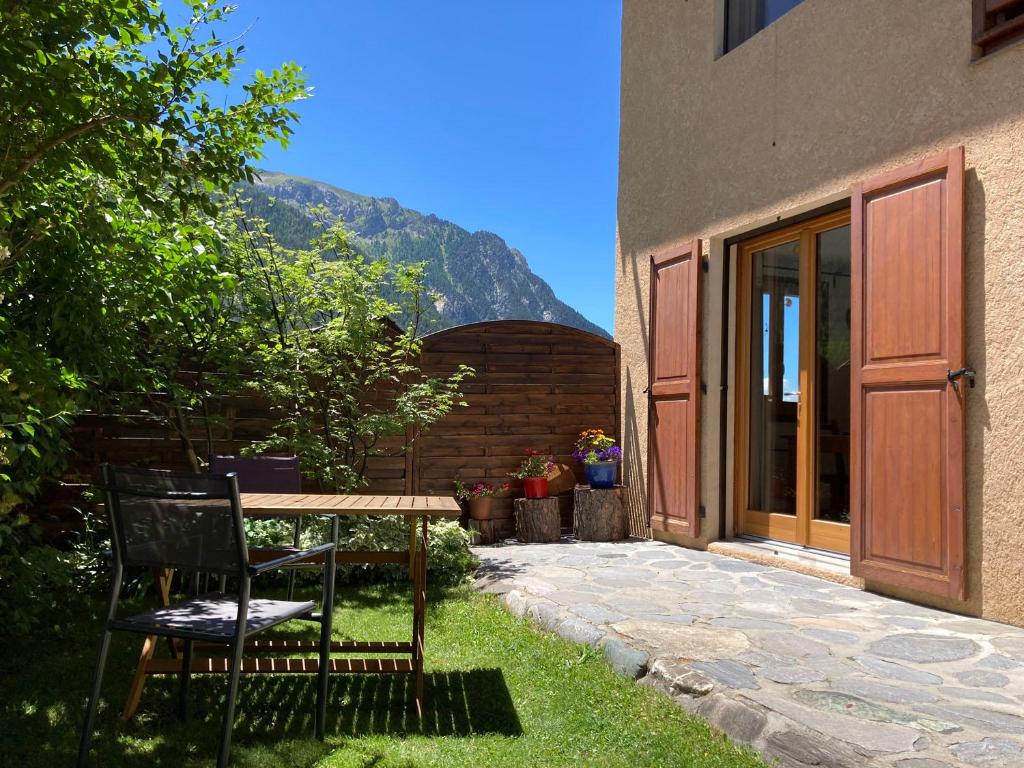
{"points": [[809, 672]]}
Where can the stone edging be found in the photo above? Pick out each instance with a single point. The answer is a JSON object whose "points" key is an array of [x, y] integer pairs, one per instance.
{"points": [[743, 720]]}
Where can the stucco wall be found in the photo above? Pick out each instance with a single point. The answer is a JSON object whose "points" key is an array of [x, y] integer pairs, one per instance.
{"points": [[831, 93]]}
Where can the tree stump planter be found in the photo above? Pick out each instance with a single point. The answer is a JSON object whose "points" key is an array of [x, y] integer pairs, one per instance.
{"points": [[598, 514], [483, 532], [537, 520]]}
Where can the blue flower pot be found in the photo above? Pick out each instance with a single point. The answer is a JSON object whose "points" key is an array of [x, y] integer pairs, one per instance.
{"points": [[601, 474]]}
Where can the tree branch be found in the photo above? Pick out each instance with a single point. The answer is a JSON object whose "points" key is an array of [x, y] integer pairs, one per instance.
{"points": [[52, 143]]}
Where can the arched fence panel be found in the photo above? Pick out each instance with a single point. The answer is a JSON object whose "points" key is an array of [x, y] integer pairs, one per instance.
{"points": [[536, 386]]}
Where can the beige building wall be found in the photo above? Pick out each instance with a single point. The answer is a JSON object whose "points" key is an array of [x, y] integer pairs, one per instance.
{"points": [[833, 92]]}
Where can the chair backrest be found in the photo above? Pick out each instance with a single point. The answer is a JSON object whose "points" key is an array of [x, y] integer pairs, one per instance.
{"points": [[261, 474], [181, 520]]}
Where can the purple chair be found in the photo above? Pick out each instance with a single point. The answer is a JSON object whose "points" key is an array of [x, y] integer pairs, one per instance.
{"points": [[265, 474], [261, 474]]}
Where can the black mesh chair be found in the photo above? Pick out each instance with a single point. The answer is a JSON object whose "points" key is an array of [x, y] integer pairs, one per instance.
{"points": [[193, 523], [266, 474]]}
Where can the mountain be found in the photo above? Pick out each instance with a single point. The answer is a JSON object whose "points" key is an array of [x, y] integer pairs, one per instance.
{"points": [[475, 275]]}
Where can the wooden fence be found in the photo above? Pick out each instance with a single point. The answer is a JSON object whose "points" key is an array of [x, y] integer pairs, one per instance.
{"points": [[536, 386]]}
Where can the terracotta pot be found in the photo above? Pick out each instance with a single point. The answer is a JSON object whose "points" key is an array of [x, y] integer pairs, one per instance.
{"points": [[535, 487], [480, 507]]}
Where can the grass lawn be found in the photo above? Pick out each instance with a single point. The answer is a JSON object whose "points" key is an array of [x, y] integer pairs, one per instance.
{"points": [[498, 692]]}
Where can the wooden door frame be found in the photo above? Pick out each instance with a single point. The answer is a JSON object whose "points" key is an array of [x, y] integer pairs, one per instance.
{"points": [[801, 528]]}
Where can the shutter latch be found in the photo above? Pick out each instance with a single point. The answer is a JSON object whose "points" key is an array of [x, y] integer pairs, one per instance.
{"points": [[967, 373]]}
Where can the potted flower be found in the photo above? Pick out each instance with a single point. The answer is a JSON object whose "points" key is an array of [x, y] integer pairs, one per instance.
{"points": [[479, 497], [534, 473], [600, 457]]}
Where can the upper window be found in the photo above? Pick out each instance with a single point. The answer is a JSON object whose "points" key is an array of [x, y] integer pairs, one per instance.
{"points": [[997, 23], [745, 18]]}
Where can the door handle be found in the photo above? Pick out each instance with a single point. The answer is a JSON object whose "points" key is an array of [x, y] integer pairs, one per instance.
{"points": [[953, 376]]}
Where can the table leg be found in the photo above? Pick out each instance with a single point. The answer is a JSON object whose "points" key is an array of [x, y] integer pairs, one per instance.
{"points": [[412, 548], [419, 615], [414, 573], [163, 589]]}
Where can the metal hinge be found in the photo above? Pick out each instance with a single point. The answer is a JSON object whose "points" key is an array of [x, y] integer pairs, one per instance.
{"points": [[701, 511], [705, 263]]}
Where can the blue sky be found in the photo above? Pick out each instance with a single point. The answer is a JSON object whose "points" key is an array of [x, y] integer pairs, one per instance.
{"points": [[499, 115]]}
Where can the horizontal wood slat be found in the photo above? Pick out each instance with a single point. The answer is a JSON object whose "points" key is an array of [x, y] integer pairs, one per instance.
{"points": [[536, 386], [346, 557], [294, 505], [997, 23], [312, 646], [1000, 32], [282, 666]]}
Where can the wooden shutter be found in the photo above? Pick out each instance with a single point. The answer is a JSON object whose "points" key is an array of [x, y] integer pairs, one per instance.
{"points": [[907, 441], [674, 391], [997, 23]]}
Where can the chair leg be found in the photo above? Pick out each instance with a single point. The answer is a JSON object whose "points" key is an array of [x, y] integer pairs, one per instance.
{"points": [[237, 649], [326, 617], [324, 672], [296, 538], [185, 678], [94, 700], [229, 706]]}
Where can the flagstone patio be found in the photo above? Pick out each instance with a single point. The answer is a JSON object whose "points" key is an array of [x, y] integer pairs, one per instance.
{"points": [[809, 672]]}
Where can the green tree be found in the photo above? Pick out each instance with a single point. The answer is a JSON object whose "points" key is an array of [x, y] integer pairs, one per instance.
{"points": [[341, 375], [112, 161], [114, 158]]}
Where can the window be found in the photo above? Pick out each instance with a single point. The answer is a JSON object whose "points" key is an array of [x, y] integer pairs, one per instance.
{"points": [[997, 23], [793, 346], [745, 18]]}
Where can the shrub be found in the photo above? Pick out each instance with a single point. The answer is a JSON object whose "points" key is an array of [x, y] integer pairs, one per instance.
{"points": [[450, 561], [34, 578]]}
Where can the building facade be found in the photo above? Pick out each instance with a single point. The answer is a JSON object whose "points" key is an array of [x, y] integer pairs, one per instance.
{"points": [[820, 287]]}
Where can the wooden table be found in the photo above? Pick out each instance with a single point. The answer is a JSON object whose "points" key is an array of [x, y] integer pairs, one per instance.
{"points": [[415, 509]]}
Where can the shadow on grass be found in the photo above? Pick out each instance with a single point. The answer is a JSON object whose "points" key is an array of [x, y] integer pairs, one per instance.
{"points": [[459, 703], [469, 703], [275, 716], [43, 687]]}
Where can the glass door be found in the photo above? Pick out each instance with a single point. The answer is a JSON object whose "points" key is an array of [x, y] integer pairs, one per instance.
{"points": [[793, 367]]}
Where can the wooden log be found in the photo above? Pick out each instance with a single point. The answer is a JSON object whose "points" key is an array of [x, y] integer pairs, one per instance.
{"points": [[565, 503], [483, 532], [598, 514], [537, 520]]}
